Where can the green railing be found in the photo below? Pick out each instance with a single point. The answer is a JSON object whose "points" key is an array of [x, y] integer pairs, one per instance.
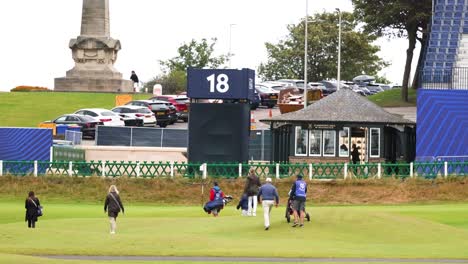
{"points": [[325, 171]]}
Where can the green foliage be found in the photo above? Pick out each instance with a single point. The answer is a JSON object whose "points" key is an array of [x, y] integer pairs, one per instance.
{"points": [[358, 55], [398, 18], [195, 54], [381, 79], [30, 109], [173, 83]]}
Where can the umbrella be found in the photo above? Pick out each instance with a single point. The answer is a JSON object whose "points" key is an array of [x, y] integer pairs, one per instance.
{"points": [[363, 78]]}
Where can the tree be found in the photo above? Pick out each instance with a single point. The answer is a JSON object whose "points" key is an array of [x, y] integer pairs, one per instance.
{"points": [[173, 82], [286, 58], [195, 54], [398, 18]]}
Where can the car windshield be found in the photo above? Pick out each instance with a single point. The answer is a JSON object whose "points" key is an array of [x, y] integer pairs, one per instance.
{"points": [[157, 106], [263, 89], [182, 100], [107, 113]]}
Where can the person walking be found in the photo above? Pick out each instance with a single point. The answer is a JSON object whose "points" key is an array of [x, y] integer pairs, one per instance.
{"points": [[298, 195], [135, 80], [268, 195], [251, 189], [32, 206], [113, 205]]}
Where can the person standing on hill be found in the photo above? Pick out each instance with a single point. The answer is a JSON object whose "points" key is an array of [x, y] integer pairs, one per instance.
{"points": [[269, 197], [32, 206], [135, 80], [298, 195], [251, 189], [113, 205]]}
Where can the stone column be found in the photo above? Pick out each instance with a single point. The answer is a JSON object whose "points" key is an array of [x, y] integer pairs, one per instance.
{"points": [[95, 18], [94, 53]]}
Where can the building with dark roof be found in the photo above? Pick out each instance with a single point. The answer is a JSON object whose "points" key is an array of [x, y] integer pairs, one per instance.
{"points": [[327, 130]]}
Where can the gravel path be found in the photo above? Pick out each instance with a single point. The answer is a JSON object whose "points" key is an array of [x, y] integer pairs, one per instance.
{"points": [[252, 259]]}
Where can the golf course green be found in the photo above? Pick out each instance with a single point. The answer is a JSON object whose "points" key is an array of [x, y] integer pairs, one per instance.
{"points": [[404, 231]]}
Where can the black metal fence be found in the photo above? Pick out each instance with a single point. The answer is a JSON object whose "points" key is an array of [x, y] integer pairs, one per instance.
{"points": [[259, 145], [445, 78]]}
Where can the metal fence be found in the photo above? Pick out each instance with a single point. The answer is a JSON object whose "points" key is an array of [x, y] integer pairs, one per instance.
{"points": [[74, 137], [259, 144], [330, 171], [445, 78]]}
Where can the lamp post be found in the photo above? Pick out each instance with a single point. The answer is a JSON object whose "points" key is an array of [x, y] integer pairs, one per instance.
{"points": [[230, 43], [305, 52], [339, 50]]}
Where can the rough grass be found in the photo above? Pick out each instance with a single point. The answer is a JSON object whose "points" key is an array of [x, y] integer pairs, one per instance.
{"points": [[392, 98], [412, 231], [189, 192], [28, 109]]}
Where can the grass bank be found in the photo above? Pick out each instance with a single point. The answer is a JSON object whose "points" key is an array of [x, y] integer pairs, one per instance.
{"points": [[392, 98], [28, 109], [189, 192]]}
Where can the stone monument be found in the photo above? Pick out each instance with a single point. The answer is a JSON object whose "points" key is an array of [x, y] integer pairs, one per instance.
{"points": [[94, 53]]}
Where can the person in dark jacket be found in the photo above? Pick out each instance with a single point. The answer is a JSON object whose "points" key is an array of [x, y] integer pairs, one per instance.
{"points": [[31, 205], [355, 154], [251, 189], [113, 205], [135, 80], [269, 197], [298, 194]]}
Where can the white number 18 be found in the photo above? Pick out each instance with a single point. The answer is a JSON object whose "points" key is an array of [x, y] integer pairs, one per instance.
{"points": [[221, 83]]}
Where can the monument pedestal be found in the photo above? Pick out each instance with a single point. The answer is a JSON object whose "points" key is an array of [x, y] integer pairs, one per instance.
{"points": [[77, 84]]}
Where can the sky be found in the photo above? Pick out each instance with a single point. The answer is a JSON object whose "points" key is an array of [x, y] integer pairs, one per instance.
{"points": [[35, 34]]}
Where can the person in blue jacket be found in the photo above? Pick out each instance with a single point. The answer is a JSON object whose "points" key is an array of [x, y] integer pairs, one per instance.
{"points": [[269, 197], [298, 195]]}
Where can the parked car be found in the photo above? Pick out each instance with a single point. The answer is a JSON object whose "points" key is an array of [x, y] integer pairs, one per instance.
{"points": [[268, 96], [317, 85], [294, 83], [374, 88], [255, 100], [88, 124], [278, 86], [179, 102], [330, 87], [107, 117], [159, 108], [136, 115]]}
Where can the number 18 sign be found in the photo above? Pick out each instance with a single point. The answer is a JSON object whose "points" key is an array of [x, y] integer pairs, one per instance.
{"points": [[220, 83]]}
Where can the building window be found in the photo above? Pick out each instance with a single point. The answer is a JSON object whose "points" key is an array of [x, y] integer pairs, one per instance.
{"points": [[329, 142], [374, 142], [344, 142], [315, 142], [301, 142]]}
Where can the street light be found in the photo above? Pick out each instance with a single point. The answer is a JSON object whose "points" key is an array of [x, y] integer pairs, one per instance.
{"points": [[339, 49], [230, 41], [305, 53]]}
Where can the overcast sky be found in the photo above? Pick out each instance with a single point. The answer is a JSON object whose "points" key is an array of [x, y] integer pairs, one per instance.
{"points": [[35, 34]]}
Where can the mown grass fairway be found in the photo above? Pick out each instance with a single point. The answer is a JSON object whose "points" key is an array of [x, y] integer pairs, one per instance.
{"points": [[412, 231], [28, 109]]}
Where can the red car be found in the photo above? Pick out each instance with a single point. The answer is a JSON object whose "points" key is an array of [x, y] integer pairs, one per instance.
{"points": [[181, 103]]}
